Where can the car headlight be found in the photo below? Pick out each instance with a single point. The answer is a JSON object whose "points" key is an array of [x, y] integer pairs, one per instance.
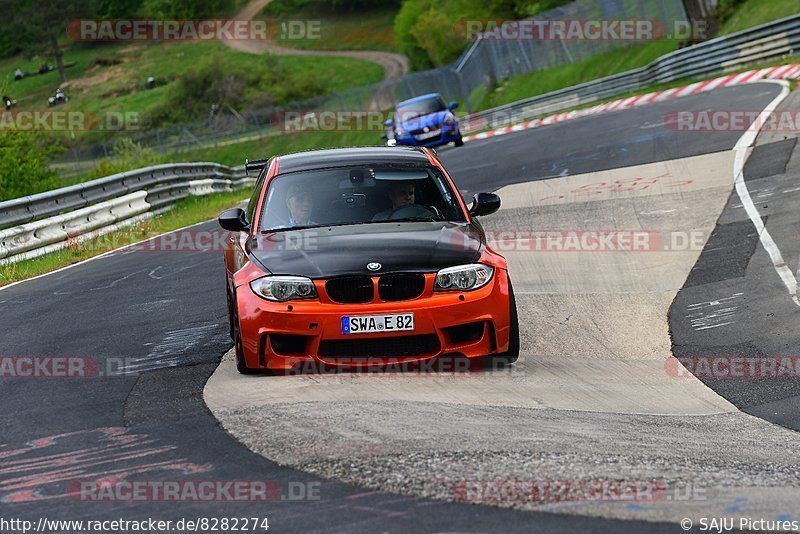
{"points": [[449, 119], [399, 131], [463, 277], [283, 288]]}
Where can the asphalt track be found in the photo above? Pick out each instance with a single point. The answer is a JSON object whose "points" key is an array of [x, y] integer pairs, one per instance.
{"points": [[163, 315], [732, 304]]}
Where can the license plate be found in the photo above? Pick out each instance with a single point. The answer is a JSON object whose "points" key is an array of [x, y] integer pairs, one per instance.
{"points": [[368, 324], [428, 135]]}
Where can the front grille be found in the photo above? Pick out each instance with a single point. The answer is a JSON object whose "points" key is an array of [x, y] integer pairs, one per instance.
{"points": [[350, 289], [401, 286], [384, 347]]}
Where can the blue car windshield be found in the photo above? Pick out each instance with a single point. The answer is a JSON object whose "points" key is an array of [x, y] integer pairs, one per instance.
{"points": [[418, 108]]}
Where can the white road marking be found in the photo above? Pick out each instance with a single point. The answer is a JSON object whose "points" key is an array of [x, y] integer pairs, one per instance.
{"points": [[716, 302], [168, 352], [117, 281], [767, 242]]}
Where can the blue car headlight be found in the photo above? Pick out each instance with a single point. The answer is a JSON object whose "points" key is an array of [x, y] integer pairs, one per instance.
{"points": [[449, 119], [400, 132]]}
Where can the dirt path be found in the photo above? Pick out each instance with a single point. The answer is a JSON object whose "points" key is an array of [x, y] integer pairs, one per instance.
{"points": [[394, 65]]}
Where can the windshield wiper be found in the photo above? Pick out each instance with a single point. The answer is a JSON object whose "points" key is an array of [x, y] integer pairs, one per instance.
{"points": [[292, 228], [415, 219]]}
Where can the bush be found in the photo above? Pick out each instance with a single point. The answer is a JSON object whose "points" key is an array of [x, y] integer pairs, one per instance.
{"points": [[127, 155], [283, 7], [188, 9], [726, 9], [429, 31], [24, 163], [117, 9], [435, 33], [216, 87]]}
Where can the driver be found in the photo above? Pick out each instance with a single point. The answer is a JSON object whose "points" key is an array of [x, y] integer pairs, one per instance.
{"points": [[300, 201], [402, 194]]}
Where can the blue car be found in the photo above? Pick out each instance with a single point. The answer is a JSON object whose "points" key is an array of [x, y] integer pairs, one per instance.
{"points": [[425, 121]]}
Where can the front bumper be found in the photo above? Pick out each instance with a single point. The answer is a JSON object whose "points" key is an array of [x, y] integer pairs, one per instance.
{"points": [[448, 134], [280, 336]]}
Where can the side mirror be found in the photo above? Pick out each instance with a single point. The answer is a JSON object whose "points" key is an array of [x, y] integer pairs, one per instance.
{"points": [[484, 204], [234, 220], [453, 105], [389, 123]]}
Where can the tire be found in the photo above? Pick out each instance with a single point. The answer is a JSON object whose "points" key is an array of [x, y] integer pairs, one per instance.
{"points": [[230, 312], [241, 363], [504, 359], [459, 141]]}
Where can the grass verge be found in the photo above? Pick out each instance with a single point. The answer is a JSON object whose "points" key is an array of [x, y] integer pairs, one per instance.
{"points": [[541, 82], [111, 77], [754, 12], [356, 29], [187, 211]]}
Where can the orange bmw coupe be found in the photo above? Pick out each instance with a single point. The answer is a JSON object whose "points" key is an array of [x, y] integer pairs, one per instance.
{"points": [[364, 256]]}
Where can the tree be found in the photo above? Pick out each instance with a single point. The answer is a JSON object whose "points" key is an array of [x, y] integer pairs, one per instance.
{"points": [[24, 163], [35, 26]]}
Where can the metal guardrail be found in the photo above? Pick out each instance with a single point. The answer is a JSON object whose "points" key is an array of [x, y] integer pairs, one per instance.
{"points": [[164, 185], [33, 225], [767, 42]]}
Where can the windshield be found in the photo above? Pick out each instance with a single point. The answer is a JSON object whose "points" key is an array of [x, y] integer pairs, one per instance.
{"points": [[358, 195], [418, 108]]}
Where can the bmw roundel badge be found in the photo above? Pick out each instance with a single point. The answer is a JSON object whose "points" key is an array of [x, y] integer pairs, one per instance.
{"points": [[374, 266]]}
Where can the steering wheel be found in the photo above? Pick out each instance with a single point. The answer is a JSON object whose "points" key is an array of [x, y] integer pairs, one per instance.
{"points": [[412, 210]]}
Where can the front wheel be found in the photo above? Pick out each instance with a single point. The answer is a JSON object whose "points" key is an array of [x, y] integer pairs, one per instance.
{"points": [[511, 355], [459, 141], [241, 363]]}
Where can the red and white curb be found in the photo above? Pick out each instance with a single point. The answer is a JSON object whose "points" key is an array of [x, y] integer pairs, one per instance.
{"points": [[784, 72]]}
